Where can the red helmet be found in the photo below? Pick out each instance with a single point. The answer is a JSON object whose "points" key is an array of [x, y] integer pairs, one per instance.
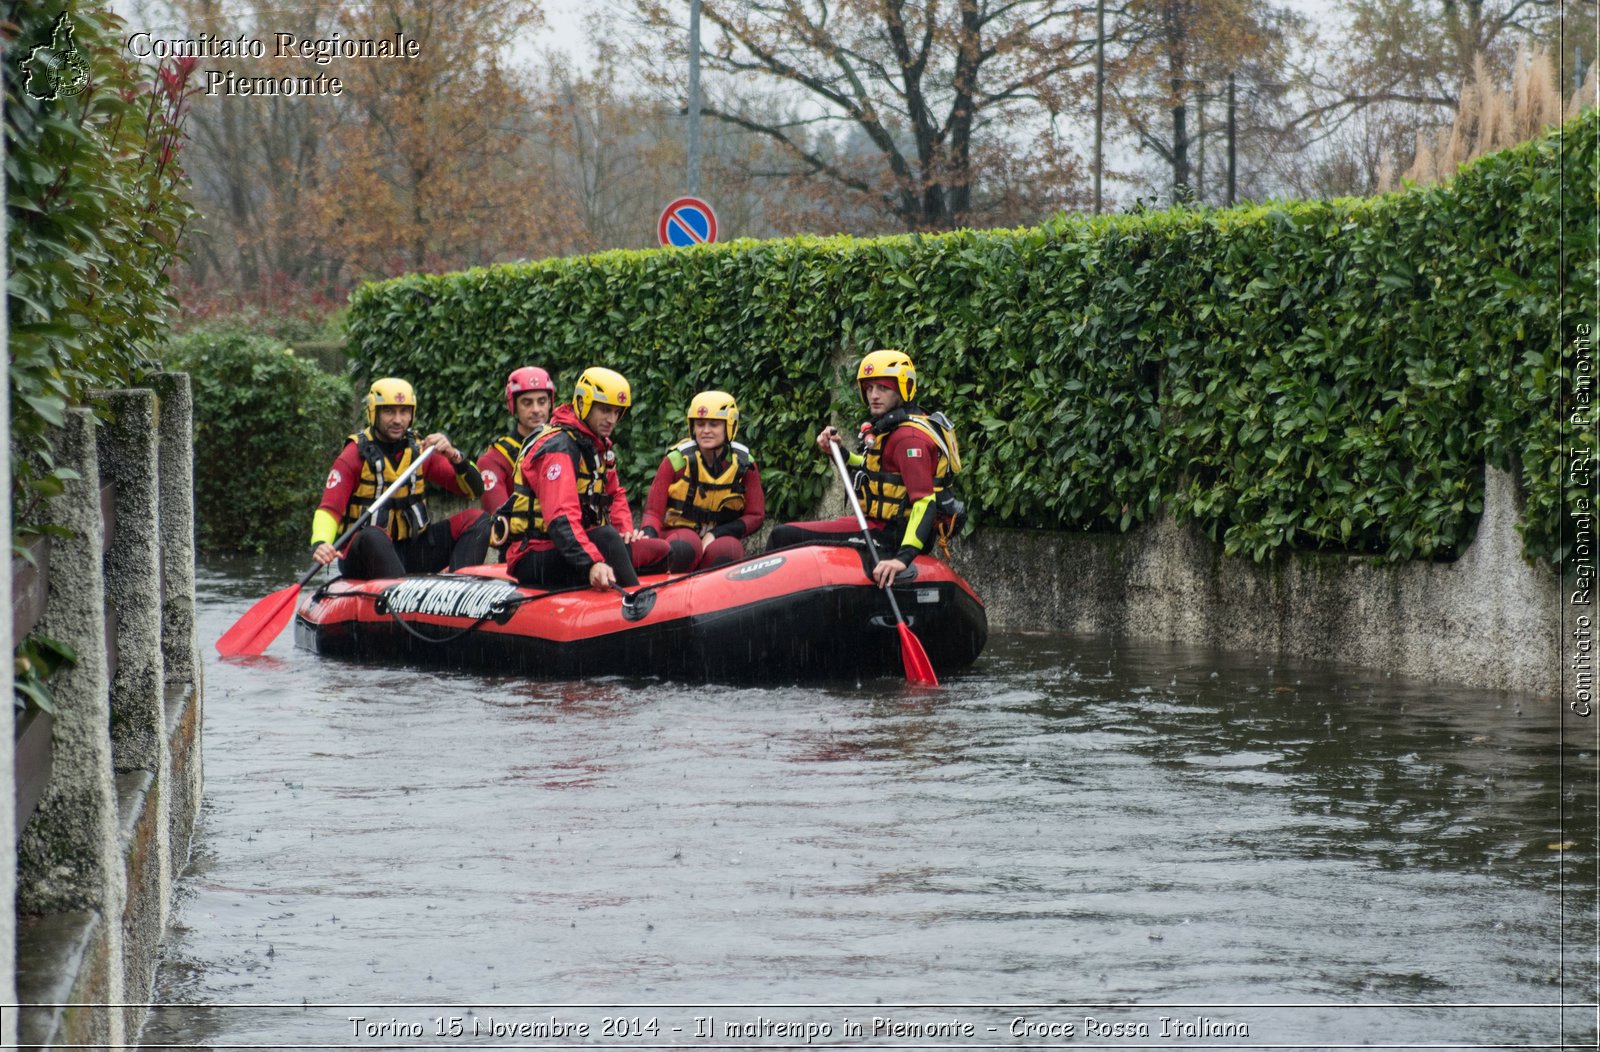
{"points": [[528, 378]]}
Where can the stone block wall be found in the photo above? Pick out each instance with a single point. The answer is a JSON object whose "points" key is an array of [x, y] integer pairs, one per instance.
{"points": [[94, 864]]}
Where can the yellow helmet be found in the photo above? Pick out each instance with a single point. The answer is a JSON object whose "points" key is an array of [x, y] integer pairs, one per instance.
{"points": [[715, 405], [881, 364], [388, 391], [605, 386]]}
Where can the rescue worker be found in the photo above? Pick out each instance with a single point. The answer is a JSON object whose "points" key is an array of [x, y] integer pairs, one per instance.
{"points": [[568, 520], [907, 464], [530, 397], [706, 497], [399, 539]]}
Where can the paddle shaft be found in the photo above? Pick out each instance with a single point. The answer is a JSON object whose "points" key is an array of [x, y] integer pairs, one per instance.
{"points": [[372, 509], [861, 520]]}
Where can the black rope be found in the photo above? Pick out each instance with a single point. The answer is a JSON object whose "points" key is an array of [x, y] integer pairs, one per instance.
{"points": [[452, 637], [502, 606]]}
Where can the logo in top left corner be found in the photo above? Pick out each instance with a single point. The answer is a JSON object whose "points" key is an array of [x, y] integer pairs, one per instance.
{"points": [[56, 70]]}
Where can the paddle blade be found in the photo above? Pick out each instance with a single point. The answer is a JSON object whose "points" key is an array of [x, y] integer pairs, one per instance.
{"points": [[260, 624], [918, 668]]}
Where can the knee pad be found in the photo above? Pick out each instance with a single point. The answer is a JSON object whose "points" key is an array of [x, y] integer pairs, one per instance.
{"points": [[682, 557], [782, 536]]}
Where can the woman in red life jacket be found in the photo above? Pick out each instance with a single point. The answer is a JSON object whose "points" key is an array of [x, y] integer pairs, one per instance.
{"points": [[906, 464], [706, 497], [568, 520], [530, 397], [399, 539]]}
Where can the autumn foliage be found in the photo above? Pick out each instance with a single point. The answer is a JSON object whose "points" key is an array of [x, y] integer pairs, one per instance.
{"points": [[419, 163]]}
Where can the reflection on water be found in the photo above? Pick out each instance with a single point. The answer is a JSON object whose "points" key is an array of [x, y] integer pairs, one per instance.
{"points": [[1131, 833]]}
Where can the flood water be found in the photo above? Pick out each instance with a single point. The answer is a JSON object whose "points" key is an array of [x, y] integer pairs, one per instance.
{"points": [[1075, 844]]}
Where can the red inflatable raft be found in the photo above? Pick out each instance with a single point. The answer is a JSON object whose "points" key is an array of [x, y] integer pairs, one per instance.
{"points": [[803, 613]]}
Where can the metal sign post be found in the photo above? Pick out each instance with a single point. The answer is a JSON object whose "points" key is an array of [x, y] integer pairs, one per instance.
{"points": [[694, 96]]}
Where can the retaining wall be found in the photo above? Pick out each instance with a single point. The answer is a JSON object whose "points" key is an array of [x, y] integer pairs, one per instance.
{"points": [[95, 859], [1488, 619]]}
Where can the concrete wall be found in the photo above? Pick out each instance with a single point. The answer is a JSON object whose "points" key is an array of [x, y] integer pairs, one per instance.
{"points": [[1487, 620], [94, 865]]}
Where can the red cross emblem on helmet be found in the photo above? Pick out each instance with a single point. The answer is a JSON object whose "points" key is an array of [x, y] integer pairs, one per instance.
{"points": [[867, 369], [701, 411]]}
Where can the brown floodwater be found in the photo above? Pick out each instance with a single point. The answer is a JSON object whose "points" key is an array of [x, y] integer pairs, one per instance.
{"points": [[1077, 843]]}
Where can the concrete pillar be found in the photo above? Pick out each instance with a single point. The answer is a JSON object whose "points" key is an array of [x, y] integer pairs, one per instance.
{"points": [[126, 447], [126, 444], [181, 777], [67, 856], [179, 646]]}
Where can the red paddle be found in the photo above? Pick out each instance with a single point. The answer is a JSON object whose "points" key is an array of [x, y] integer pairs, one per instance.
{"points": [[918, 668], [261, 624]]}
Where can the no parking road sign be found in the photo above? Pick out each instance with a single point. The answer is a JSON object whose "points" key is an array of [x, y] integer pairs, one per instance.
{"points": [[687, 221]]}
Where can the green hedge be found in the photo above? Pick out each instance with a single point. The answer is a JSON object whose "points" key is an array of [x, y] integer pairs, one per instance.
{"points": [[1315, 375], [267, 425]]}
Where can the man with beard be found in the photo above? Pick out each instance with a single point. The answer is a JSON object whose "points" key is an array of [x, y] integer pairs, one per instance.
{"points": [[399, 539]]}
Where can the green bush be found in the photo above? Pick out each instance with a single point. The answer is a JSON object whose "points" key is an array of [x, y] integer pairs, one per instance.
{"points": [[266, 426], [1315, 375]]}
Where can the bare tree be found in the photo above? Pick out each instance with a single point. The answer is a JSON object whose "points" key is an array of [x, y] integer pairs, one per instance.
{"points": [[618, 157], [1193, 72], [1419, 54], [1400, 71], [938, 91], [606, 152], [253, 164]]}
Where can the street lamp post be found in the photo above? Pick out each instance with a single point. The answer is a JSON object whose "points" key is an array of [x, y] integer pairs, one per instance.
{"points": [[1233, 128], [1099, 97]]}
